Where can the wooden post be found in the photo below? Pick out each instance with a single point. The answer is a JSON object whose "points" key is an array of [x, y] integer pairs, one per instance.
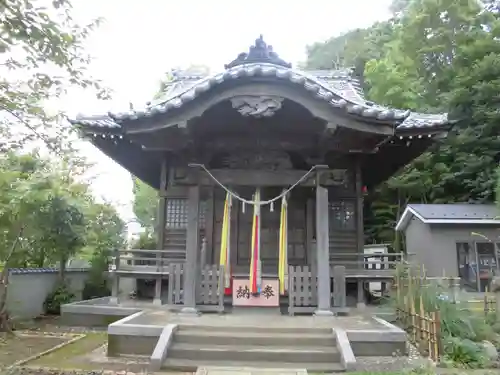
{"points": [[310, 245], [359, 215], [339, 287], [497, 305], [209, 228], [203, 253], [192, 249], [361, 294], [115, 290], [322, 251], [160, 229]]}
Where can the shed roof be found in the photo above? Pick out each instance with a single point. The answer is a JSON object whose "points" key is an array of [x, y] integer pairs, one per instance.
{"points": [[452, 213]]}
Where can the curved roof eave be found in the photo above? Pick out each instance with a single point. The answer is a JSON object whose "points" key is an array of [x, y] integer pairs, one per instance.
{"points": [[310, 83], [339, 91], [422, 122]]}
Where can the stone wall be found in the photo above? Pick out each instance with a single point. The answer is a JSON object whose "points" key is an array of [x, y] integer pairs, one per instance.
{"points": [[28, 288]]}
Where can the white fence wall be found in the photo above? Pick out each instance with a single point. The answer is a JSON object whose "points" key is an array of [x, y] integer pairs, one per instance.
{"points": [[28, 288]]}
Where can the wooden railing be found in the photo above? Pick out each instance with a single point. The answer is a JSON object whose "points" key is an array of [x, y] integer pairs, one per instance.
{"points": [[145, 260], [129, 260], [382, 261]]}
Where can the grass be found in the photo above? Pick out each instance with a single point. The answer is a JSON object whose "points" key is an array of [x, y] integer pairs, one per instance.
{"points": [[65, 357], [14, 348], [427, 372]]}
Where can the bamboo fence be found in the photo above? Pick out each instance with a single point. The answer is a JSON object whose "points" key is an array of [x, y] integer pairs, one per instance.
{"points": [[422, 323]]}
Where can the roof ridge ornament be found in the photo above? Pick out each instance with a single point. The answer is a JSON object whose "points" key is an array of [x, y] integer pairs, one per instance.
{"points": [[260, 52]]}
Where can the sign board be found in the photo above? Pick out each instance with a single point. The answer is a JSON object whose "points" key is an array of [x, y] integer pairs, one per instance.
{"points": [[269, 295]]}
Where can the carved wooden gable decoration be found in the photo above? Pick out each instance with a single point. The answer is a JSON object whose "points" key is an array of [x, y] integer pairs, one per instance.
{"points": [[257, 105]]}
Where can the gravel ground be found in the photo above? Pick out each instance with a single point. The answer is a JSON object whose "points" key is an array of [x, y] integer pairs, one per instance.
{"points": [[394, 363], [50, 371]]}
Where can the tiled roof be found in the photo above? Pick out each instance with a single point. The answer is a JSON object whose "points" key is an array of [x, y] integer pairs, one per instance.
{"points": [[20, 271], [338, 93], [339, 88], [421, 120], [99, 121]]}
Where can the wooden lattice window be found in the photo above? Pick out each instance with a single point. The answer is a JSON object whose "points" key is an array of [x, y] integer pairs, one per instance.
{"points": [[203, 214], [342, 215], [177, 211]]}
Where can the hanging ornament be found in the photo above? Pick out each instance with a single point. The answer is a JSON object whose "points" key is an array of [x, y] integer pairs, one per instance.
{"points": [[272, 207], [243, 207]]}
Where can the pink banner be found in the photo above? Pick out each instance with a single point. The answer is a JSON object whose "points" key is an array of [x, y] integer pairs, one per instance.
{"points": [[268, 297]]}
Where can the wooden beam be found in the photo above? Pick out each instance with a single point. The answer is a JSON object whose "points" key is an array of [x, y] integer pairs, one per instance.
{"points": [[262, 178], [310, 256], [209, 225], [322, 251], [162, 205], [359, 209], [192, 249], [162, 213]]}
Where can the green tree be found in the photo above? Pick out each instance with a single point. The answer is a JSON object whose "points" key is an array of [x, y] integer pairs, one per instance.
{"points": [[145, 204], [351, 49], [105, 232], [497, 196], [42, 55], [439, 56]]}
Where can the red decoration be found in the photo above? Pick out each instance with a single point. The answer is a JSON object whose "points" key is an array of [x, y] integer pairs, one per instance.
{"points": [[229, 290], [365, 190]]}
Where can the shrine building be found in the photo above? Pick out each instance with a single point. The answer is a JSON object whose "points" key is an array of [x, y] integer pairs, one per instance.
{"points": [[260, 170]]}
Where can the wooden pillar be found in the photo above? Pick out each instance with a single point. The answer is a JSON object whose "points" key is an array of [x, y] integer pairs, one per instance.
{"points": [[310, 245], [209, 227], [160, 229], [361, 294], [360, 230], [322, 251], [339, 287], [192, 249], [115, 288]]}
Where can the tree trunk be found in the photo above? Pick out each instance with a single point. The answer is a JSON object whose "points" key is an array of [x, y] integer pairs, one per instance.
{"points": [[62, 267], [5, 324]]}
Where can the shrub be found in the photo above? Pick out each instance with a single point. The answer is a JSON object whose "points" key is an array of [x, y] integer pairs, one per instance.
{"points": [[95, 289], [465, 353], [461, 330], [59, 296], [97, 284]]}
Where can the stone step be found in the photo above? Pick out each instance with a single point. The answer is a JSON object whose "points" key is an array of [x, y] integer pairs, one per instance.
{"points": [[270, 328], [254, 338], [188, 365], [290, 354]]}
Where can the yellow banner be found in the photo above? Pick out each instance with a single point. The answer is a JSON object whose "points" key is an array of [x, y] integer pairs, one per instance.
{"points": [[283, 246]]}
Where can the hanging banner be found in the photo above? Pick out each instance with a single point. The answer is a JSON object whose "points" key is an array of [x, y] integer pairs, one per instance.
{"points": [[225, 252], [255, 265], [283, 246]]}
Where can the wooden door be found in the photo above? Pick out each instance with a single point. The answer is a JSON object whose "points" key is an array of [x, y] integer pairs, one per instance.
{"points": [[241, 232], [270, 223], [297, 232]]}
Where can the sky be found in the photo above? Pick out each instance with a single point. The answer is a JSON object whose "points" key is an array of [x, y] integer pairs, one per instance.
{"points": [[141, 40]]}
